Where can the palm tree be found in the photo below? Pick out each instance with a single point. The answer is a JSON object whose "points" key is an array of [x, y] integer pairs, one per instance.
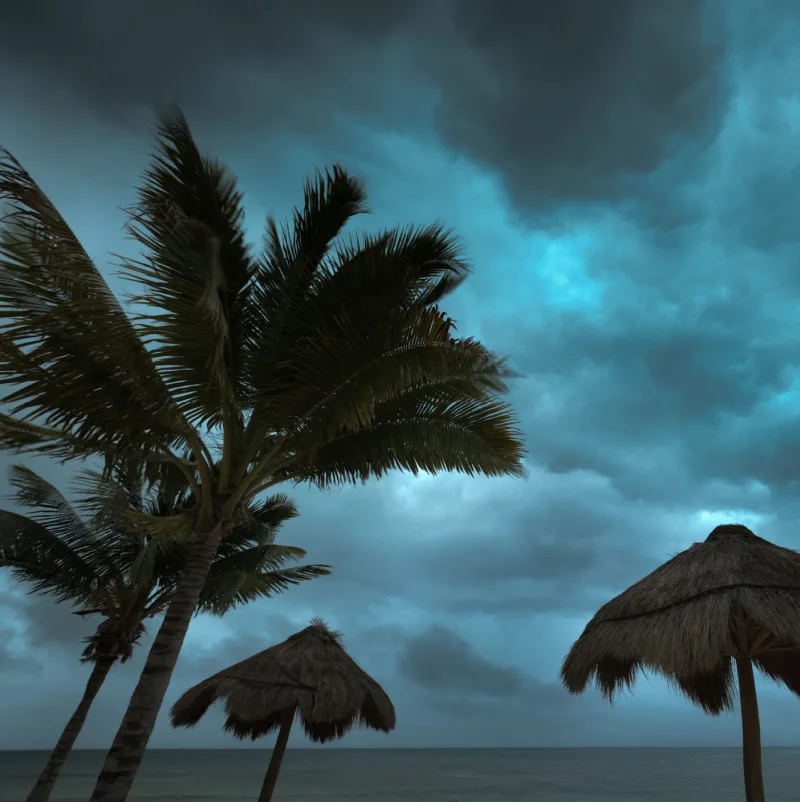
{"points": [[316, 359], [127, 577]]}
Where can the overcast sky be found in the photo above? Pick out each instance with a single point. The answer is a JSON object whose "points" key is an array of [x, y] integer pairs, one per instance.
{"points": [[625, 177]]}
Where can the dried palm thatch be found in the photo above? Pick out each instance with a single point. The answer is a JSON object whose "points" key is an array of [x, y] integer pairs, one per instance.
{"points": [[682, 621], [309, 675], [310, 672], [735, 596]]}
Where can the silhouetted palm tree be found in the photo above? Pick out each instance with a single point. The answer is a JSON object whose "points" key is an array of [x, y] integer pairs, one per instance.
{"points": [[90, 556]]}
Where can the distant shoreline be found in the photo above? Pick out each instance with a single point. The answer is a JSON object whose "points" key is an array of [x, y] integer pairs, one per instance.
{"points": [[328, 748]]}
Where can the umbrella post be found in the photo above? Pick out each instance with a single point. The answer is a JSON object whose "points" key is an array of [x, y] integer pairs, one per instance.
{"points": [[277, 757], [751, 730]]}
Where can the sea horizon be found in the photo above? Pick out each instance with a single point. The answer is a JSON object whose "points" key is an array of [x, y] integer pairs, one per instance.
{"points": [[267, 745], [439, 774]]}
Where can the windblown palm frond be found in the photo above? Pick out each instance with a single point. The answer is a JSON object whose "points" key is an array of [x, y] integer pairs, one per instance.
{"points": [[428, 434], [367, 334], [231, 588], [253, 534], [37, 557], [49, 547], [63, 330], [197, 272], [104, 565], [290, 261]]}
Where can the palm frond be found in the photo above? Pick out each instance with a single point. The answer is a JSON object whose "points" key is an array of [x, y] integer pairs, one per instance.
{"points": [[423, 354], [259, 522], [287, 269], [256, 557], [422, 264], [23, 437], [66, 344], [102, 497], [195, 275], [237, 587], [100, 544], [176, 527], [47, 506], [432, 428], [369, 301], [49, 564], [291, 257]]}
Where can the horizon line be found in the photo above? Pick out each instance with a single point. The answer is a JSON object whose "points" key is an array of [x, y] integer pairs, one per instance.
{"points": [[311, 748]]}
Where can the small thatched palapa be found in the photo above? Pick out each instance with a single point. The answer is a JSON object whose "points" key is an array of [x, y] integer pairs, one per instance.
{"points": [[733, 597], [310, 672], [309, 675]]}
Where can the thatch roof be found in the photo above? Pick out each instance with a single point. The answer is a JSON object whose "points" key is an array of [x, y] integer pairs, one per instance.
{"points": [[683, 621], [310, 671]]}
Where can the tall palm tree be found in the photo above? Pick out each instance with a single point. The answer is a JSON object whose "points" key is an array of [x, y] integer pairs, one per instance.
{"points": [[125, 576], [316, 359]]}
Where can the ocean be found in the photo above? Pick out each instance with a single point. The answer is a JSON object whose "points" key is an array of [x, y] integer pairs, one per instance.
{"points": [[431, 775]]}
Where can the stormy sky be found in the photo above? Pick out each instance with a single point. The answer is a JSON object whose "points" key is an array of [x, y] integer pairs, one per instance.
{"points": [[624, 176]]}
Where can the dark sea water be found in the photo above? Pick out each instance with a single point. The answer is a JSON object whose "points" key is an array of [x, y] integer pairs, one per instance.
{"points": [[436, 775]]}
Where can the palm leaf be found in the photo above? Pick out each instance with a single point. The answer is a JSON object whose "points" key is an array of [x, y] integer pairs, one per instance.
{"points": [[257, 556], [47, 506], [196, 274], [23, 437], [37, 556], [364, 323], [425, 354], [105, 547], [102, 497], [260, 521], [65, 342], [257, 526], [431, 428], [421, 263], [291, 257], [229, 587]]}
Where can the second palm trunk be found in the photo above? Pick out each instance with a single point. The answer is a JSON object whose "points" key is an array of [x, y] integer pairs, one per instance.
{"points": [[130, 742]]}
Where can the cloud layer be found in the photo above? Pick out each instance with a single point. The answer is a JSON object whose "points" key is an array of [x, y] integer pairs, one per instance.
{"points": [[625, 185]]}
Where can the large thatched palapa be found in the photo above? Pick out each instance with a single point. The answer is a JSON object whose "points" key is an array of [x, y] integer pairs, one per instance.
{"points": [[733, 597], [309, 675]]}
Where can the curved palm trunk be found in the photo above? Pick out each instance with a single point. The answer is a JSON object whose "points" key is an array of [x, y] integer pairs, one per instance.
{"points": [[127, 750], [47, 779]]}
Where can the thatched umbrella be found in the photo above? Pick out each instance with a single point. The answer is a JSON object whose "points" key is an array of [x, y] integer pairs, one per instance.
{"points": [[309, 675], [733, 597]]}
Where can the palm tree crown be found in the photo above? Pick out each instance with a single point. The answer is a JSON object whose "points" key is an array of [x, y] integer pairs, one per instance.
{"points": [[93, 556]]}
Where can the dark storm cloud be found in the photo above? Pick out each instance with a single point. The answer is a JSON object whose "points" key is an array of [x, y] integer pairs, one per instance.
{"points": [[51, 624], [675, 374], [487, 546], [662, 405], [568, 101], [463, 685], [13, 663], [572, 100], [440, 660]]}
